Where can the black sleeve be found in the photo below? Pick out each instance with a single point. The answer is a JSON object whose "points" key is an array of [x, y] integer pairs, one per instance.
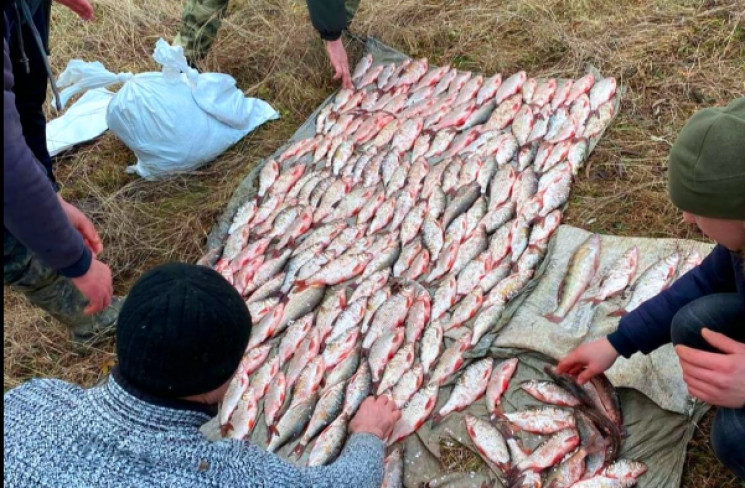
{"points": [[329, 17]]}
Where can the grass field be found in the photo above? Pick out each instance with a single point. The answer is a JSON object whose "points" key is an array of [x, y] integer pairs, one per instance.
{"points": [[673, 57]]}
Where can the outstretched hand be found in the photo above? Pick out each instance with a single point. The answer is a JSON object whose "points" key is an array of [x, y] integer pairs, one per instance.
{"points": [[340, 62], [83, 224], [82, 8], [588, 360], [712, 377]]}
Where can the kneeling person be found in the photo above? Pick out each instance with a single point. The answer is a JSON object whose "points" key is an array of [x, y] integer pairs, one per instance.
{"points": [[703, 313], [181, 336]]}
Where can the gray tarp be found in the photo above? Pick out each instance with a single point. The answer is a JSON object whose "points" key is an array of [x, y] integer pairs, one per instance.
{"points": [[656, 436]]}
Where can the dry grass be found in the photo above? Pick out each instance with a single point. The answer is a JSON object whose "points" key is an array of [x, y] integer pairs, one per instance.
{"points": [[673, 56]]}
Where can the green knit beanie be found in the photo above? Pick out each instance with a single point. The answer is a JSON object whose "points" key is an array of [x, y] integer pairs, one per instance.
{"points": [[707, 163]]}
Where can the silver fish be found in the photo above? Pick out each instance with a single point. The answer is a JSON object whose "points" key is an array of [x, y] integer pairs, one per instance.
{"points": [[416, 412], [330, 443], [469, 388], [581, 271], [328, 408], [542, 420], [358, 389], [652, 281], [488, 441], [498, 384], [291, 424], [393, 470], [401, 362]]}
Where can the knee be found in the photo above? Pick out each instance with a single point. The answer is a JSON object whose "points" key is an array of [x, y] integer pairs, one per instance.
{"points": [[686, 326], [727, 439]]}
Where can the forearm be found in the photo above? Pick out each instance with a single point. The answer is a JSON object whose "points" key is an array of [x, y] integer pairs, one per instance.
{"points": [[328, 17]]}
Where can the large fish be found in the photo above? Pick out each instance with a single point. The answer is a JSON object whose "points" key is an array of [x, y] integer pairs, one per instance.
{"points": [[549, 392], [450, 361], [328, 408], [470, 387], [430, 346], [415, 413], [358, 389], [651, 283], [551, 451], [393, 470], [542, 420], [330, 443], [407, 386], [581, 271], [291, 424], [383, 351], [243, 420], [498, 385], [401, 362], [488, 441], [617, 277]]}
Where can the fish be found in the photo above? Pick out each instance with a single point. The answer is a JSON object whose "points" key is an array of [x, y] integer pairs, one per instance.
{"points": [[339, 348], [401, 362], [267, 176], [334, 194], [444, 83], [410, 382], [329, 407], [577, 154], [468, 307], [692, 260], [236, 389], [451, 175], [370, 285], [393, 470], [579, 112], [459, 82], [413, 72], [480, 115], [601, 92], [342, 97], [383, 216], [497, 217], [605, 397], [486, 174], [385, 256], [326, 113], [498, 385], [541, 420], [413, 223], [600, 482], [344, 241], [540, 126], [386, 134], [544, 92], [581, 271], [450, 361], [342, 269], [286, 180], [472, 274], [489, 89], [243, 216], [389, 316], [618, 276], [441, 142], [309, 381], [362, 67], [471, 248], [525, 187], [511, 87], [250, 254], [486, 321], [651, 283], [275, 399], [505, 113], [522, 125], [344, 370], [300, 302], [469, 388], [405, 201], [292, 424], [407, 135], [508, 148], [358, 389], [489, 441], [307, 351], [373, 304], [262, 379], [461, 202], [437, 202], [551, 451], [501, 240], [563, 87], [243, 421], [267, 328], [385, 75], [419, 266], [236, 242], [415, 413], [370, 76], [470, 170], [470, 90], [500, 270], [599, 120], [580, 87], [520, 235], [625, 470], [445, 297], [457, 116], [550, 393], [267, 271], [501, 186], [531, 258], [593, 443], [298, 148], [570, 471], [528, 89], [383, 350]]}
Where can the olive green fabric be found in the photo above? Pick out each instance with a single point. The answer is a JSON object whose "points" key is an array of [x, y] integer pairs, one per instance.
{"points": [[201, 21], [707, 163]]}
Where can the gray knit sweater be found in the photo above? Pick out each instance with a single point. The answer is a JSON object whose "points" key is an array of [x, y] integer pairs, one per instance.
{"points": [[59, 435]]}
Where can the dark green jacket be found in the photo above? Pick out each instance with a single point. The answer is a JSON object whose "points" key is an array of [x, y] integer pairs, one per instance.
{"points": [[330, 17]]}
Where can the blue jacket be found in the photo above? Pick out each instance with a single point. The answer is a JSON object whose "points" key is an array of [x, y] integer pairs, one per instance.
{"points": [[648, 327], [31, 210]]}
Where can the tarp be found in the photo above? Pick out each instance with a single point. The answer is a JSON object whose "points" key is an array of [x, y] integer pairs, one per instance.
{"points": [[656, 436]]}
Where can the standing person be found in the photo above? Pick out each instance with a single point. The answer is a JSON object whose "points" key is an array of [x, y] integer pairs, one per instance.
{"points": [[702, 313], [50, 247], [201, 21], [182, 334]]}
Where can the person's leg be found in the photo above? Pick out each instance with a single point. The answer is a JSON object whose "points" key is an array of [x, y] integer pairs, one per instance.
{"points": [[728, 439], [31, 83], [199, 25], [723, 313], [55, 294]]}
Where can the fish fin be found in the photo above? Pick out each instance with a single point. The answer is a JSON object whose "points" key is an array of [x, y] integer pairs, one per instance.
{"points": [[437, 418], [553, 318], [618, 313], [299, 450], [302, 285], [593, 300]]}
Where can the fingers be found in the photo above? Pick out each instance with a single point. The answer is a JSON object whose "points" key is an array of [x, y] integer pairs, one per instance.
{"points": [[587, 375], [698, 358], [91, 236], [722, 342]]}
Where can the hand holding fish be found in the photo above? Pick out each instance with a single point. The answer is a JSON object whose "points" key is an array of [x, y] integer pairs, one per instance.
{"points": [[715, 378], [376, 416], [588, 360], [339, 61]]}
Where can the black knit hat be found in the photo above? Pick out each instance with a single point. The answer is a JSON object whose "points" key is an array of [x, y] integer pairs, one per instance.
{"points": [[182, 331]]}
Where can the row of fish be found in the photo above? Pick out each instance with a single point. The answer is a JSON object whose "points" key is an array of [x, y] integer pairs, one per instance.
{"points": [[378, 252], [582, 275]]}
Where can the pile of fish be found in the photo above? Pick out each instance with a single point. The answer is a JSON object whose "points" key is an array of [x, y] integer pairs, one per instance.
{"points": [[378, 252], [582, 281], [580, 427]]}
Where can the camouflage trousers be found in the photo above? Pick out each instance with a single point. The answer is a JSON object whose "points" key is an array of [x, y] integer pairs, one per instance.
{"points": [[53, 293], [201, 20]]}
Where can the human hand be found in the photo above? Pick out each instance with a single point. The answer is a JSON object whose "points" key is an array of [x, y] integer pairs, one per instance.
{"points": [[589, 360], [715, 378], [82, 8], [339, 61], [83, 225], [97, 287], [376, 416]]}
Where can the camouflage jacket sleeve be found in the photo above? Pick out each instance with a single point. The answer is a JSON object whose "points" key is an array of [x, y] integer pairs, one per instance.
{"points": [[329, 17]]}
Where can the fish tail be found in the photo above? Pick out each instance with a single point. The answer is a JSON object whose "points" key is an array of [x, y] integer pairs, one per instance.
{"points": [[553, 318], [436, 419], [592, 300], [618, 313], [497, 415], [224, 429], [299, 450]]}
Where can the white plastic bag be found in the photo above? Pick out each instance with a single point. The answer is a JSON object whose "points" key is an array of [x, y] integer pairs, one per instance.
{"points": [[82, 122], [175, 120]]}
